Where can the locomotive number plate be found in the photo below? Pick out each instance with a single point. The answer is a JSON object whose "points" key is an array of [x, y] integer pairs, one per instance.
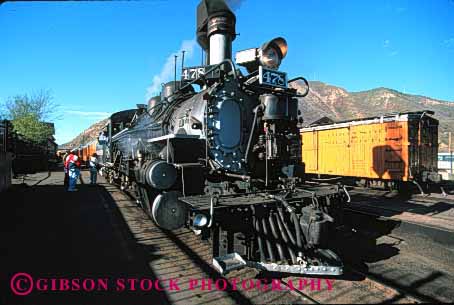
{"points": [[272, 77], [191, 73]]}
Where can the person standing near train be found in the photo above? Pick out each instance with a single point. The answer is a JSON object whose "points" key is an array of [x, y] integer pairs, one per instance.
{"points": [[93, 165], [73, 172], [66, 159]]}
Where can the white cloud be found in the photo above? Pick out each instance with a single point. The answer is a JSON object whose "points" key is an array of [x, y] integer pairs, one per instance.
{"points": [[167, 71], [449, 43], [393, 53], [234, 4], [89, 114], [389, 49]]}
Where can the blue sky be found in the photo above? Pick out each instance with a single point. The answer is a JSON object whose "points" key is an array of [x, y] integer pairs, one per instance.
{"points": [[102, 57]]}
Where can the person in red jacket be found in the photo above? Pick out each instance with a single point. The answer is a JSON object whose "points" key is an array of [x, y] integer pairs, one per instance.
{"points": [[73, 172], [66, 160]]}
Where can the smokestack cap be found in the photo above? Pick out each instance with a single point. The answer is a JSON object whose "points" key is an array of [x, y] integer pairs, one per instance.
{"points": [[208, 9]]}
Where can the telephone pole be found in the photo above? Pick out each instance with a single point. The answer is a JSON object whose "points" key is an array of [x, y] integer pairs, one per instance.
{"points": [[450, 152]]}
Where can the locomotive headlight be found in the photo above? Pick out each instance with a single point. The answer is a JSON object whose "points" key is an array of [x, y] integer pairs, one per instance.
{"points": [[273, 52], [269, 55], [200, 221], [270, 58]]}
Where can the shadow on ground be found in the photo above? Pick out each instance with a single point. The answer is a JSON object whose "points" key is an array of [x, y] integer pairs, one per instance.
{"points": [[50, 233]]}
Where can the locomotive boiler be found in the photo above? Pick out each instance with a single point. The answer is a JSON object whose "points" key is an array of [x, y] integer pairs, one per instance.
{"points": [[219, 152]]}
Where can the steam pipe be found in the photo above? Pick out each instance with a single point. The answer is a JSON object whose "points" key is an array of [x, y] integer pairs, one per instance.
{"points": [[289, 233], [284, 237], [254, 122], [267, 240], [242, 177], [306, 83], [276, 237], [294, 219], [259, 239], [281, 229]]}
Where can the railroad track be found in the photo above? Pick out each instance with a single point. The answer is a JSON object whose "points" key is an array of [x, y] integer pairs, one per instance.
{"points": [[399, 292], [436, 216], [410, 241], [381, 193], [181, 254]]}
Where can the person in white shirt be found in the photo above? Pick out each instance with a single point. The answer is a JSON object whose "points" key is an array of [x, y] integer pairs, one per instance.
{"points": [[93, 165]]}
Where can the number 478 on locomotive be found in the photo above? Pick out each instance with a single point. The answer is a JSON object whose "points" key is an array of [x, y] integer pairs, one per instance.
{"points": [[219, 152]]}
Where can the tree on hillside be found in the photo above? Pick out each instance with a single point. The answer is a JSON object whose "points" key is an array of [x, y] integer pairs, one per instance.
{"points": [[29, 113]]}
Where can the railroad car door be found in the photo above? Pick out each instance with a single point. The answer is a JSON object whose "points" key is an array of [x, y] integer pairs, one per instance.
{"points": [[358, 137], [340, 151], [423, 138], [393, 161], [310, 150], [428, 144], [378, 151]]}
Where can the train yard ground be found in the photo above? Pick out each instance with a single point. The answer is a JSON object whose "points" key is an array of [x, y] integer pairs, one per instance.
{"points": [[395, 250]]}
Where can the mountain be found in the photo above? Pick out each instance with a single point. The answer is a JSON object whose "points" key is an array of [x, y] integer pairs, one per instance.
{"points": [[340, 104], [86, 136]]}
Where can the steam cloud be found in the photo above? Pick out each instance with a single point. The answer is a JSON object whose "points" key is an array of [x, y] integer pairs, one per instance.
{"points": [[167, 71], [89, 114], [234, 4]]}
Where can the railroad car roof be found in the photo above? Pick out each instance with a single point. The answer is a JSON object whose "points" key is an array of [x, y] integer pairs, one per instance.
{"points": [[394, 117]]}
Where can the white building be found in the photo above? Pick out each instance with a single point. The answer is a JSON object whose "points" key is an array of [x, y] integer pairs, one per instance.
{"points": [[445, 164]]}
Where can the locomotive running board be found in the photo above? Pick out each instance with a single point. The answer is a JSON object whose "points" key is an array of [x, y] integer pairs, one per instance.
{"points": [[233, 261]]}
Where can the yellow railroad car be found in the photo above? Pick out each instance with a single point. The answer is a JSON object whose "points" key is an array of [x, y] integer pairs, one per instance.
{"points": [[399, 147], [88, 150]]}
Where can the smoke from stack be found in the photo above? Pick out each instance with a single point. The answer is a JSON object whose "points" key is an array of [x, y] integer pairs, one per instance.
{"points": [[234, 4], [167, 71]]}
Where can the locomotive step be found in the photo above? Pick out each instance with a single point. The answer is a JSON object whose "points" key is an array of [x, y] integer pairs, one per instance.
{"points": [[233, 261]]}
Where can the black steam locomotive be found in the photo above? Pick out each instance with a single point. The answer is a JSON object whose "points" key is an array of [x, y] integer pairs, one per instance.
{"points": [[219, 151]]}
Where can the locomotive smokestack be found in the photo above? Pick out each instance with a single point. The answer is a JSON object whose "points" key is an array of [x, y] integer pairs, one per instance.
{"points": [[215, 30]]}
